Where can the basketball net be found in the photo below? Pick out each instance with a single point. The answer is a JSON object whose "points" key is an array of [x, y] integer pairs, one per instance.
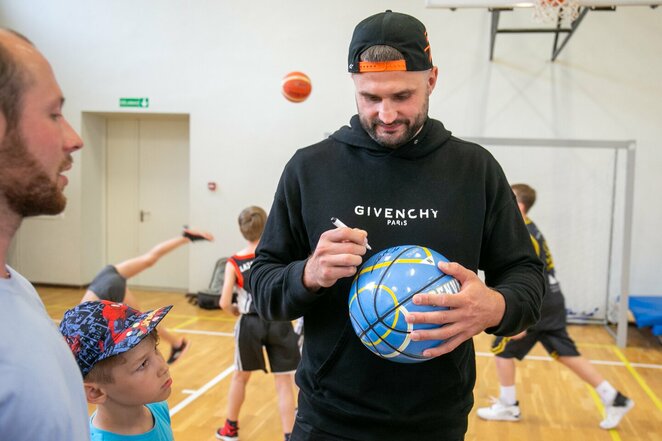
{"points": [[549, 11]]}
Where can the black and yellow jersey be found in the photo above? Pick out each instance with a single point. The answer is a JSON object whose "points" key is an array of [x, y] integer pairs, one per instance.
{"points": [[552, 311]]}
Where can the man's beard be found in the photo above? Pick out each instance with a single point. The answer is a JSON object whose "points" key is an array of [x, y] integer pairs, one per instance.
{"points": [[24, 184], [411, 129]]}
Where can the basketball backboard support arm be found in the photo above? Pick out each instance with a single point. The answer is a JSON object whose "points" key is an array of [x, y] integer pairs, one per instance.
{"points": [[495, 7], [556, 49]]}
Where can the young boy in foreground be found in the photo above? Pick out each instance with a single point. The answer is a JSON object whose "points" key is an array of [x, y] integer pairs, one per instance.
{"points": [[124, 373]]}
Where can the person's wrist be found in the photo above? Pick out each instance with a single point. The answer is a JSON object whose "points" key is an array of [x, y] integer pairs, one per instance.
{"points": [[499, 306], [308, 281], [193, 237]]}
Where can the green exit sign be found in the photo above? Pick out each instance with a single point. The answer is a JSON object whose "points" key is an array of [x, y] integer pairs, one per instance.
{"points": [[134, 102]]}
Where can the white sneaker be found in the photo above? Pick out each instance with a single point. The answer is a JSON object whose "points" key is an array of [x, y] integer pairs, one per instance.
{"points": [[500, 411], [615, 412]]}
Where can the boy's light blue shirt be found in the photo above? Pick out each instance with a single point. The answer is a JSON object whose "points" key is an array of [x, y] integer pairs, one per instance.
{"points": [[160, 432]]}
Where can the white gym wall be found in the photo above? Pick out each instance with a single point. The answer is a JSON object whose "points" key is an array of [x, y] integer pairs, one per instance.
{"points": [[221, 62]]}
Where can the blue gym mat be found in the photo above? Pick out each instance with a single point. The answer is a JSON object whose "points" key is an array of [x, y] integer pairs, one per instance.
{"points": [[647, 311]]}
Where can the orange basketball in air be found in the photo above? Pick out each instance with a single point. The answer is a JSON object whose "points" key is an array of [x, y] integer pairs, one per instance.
{"points": [[296, 86]]}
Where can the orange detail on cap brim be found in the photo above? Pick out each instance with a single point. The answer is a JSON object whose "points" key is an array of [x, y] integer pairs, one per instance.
{"points": [[382, 66]]}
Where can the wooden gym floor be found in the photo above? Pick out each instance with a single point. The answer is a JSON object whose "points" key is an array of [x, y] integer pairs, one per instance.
{"points": [[555, 404]]}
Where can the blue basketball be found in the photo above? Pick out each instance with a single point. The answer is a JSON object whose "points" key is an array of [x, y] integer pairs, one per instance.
{"points": [[382, 293]]}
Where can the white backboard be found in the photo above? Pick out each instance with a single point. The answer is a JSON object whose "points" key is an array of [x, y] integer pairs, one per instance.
{"points": [[452, 4]]}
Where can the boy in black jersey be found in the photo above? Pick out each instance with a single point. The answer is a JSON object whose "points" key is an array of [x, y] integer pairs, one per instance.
{"points": [[252, 333], [552, 333]]}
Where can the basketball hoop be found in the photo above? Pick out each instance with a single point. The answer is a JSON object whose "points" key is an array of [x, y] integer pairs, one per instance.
{"points": [[550, 11]]}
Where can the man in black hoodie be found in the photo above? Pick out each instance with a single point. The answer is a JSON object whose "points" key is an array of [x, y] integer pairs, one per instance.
{"points": [[401, 176]]}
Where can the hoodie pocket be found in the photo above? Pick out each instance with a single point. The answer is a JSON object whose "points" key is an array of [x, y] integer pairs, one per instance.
{"points": [[333, 357], [464, 362]]}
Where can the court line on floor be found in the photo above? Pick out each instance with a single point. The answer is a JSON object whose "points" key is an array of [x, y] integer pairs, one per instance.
{"points": [[624, 363], [201, 391], [478, 354], [185, 323], [602, 362], [195, 395], [637, 377], [630, 366], [220, 318], [215, 333]]}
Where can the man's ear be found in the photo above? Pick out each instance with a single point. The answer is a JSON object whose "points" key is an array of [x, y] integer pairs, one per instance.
{"points": [[95, 393], [432, 79]]}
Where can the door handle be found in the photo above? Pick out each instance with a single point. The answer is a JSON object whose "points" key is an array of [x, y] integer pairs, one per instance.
{"points": [[143, 215]]}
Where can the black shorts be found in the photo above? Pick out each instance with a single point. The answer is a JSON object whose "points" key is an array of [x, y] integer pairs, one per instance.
{"points": [[109, 285], [251, 333], [556, 342]]}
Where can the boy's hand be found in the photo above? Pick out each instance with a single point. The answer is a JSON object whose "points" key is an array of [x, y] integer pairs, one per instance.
{"points": [[194, 235]]}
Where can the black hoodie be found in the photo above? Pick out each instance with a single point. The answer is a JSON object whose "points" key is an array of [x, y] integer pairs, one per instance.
{"points": [[435, 191]]}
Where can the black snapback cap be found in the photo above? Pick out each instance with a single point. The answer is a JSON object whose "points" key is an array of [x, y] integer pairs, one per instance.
{"points": [[400, 31]]}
